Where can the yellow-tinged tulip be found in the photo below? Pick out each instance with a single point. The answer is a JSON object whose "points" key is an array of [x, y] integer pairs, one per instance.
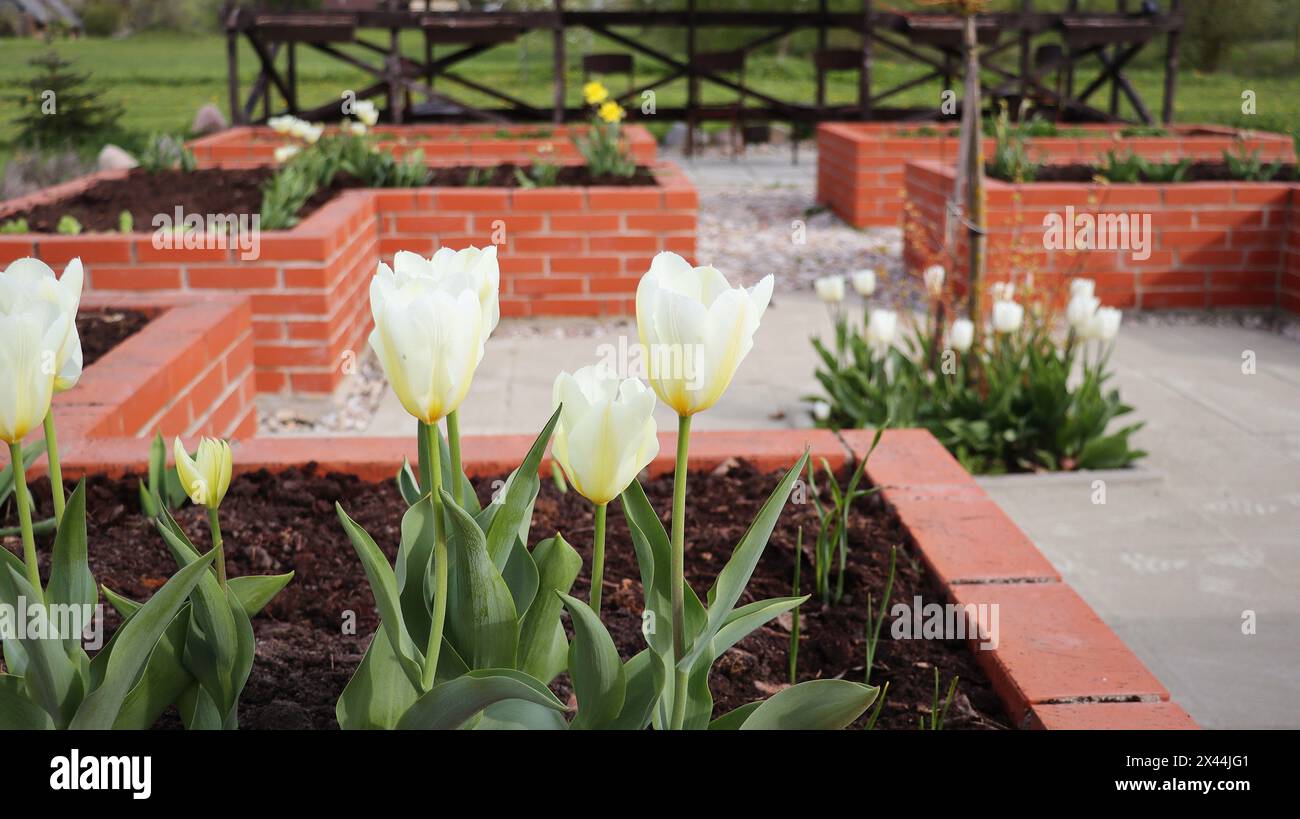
{"points": [[207, 477], [26, 281], [430, 326], [696, 329], [606, 432], [611, 112], [455, 270], [29, 340], [594, 93]]}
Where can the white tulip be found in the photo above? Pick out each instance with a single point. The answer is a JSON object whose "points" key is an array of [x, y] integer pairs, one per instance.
{"points": [[961, 335], [282, 124], [882, 325], [286, 152], [821, 410], [205, 478], [428, 336], [864, 282], [695, 329], [934, 275], [1104, 325], [606, 431], [454, 270], [1085, 288], [30, 338], [1003, 291], [31, 280], [1080, 310], [357, 128], [365, 111], [830, 289], [1007, 316]]}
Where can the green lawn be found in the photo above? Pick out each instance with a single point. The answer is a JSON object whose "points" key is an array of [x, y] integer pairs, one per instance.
{"points": [[161, 79]]}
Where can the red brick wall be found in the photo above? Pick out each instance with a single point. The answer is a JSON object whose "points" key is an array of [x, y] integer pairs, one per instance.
{"points": [[443, 145], [860, 165], [189, 371], [1214, 244], [1289, 287], [565, 251]]}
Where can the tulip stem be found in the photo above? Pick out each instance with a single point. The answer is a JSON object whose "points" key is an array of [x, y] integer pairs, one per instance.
{"points": [[214, 524], [453, 441], [25, 516], [436, 627], [56, 471], [677, 569], [598, 559]]}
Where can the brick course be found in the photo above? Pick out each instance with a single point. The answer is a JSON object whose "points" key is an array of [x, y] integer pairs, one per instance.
{"points": [[443, 145], [860, 166], [1213, 244]]}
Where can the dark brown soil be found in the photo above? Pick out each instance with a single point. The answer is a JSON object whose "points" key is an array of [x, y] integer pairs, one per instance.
{"points": [[505, 176], [102, 330], [1196, 172], [275, 524], [220, 191]]}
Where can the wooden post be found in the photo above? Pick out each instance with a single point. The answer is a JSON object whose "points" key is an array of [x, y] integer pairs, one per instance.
{"points": [[1122, 6], [821, 46], [393, 70], [692, 83], [292, 77], [558, 37], [1072, 8], [1026, 59], [1171, 68], [974, 210], [864, 73], [232, 76]]}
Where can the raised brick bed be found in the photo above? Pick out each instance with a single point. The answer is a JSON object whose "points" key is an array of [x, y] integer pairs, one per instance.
{"points": [[1057, 665], [189, 371], [443, 145], [1213, 244], [563, 252], [860, 165]]}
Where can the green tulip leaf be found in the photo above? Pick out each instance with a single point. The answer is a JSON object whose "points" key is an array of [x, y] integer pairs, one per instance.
{"points": [[519, 496], [734, 577], [543, 647], [732, 720], [453, 703], [379, 691], [255, 591], [481, 613], [135, 641], [164, 679], [17, 713], [413, 556], [383, 585], [815, 705], [51, 676], [599, 682]]}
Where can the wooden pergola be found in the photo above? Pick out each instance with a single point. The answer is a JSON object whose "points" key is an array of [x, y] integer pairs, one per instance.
{"points": [[1051, 48]]}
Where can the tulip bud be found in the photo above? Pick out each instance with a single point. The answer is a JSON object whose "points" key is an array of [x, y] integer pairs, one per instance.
{"points": [[881, 327], [1080, 310], [1104, 324], [430, 329], [207, 477], [961, 335], [28, 281], [606, 431], [830, 289], [1007, 316], [934, 275], [821, 410], [30, 337], [691, 314], [864, 282], [1085, 288]]}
